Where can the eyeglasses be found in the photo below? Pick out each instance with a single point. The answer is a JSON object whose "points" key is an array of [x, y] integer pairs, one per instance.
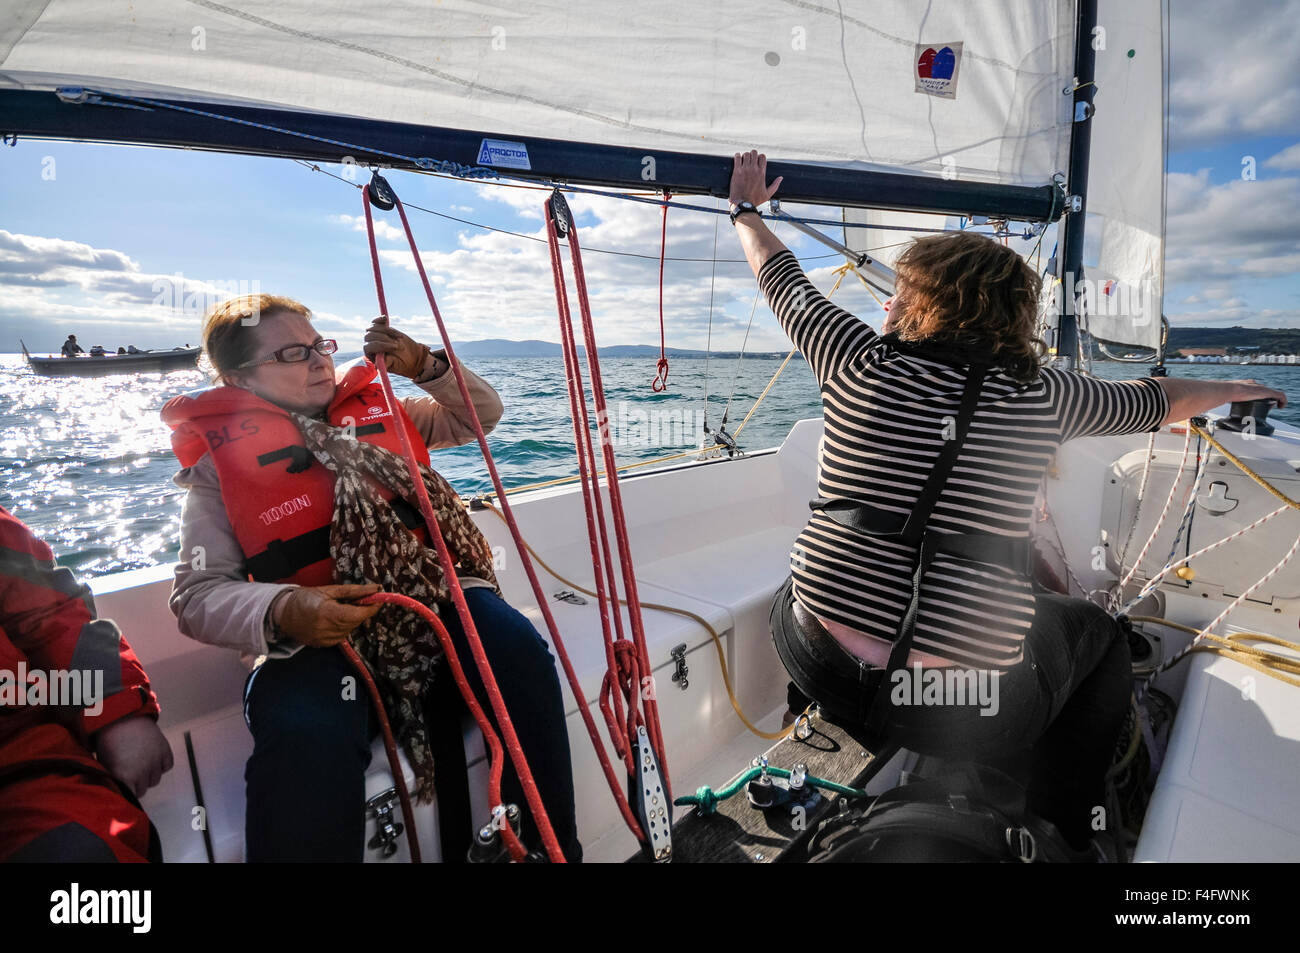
{"points": [[296, 353]]}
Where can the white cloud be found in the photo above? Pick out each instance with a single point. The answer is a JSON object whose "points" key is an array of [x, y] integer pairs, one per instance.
{"points": [[1288, 160], [499, 285], [1230, 67], [1233, 230], [383, 230], [1222, 238], [55, 281]]}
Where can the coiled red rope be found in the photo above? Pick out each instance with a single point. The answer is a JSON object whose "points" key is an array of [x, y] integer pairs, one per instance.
{"points": [[517, 850], [511, 739]]}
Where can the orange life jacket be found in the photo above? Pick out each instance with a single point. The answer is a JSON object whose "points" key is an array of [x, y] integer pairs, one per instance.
{"points": [[278, 496]]}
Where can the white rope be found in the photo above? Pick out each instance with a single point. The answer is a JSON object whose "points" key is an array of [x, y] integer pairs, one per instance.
{"points": [[1173, 488], [1171, 567], [1217, 619], [1142, 490]]}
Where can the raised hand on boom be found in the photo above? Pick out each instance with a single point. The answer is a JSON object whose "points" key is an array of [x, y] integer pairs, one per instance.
{"points": [[749, 185]]}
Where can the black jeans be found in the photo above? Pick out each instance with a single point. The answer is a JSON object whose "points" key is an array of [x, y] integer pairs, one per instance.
{"points": [[1053, 719], [306, 777]]}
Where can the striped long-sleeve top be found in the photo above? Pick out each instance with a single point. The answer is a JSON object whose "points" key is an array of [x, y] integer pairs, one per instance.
{"points": [[887, 409]]}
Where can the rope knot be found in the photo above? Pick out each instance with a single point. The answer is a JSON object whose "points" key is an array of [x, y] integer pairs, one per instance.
{"points": [[706, 801], [660, 383]]}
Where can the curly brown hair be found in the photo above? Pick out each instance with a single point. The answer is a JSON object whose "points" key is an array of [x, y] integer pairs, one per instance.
{"points": [[965, 290]]}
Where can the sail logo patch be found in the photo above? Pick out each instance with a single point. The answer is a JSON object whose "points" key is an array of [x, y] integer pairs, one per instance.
{"points": [[502, 152], [936, 69]]}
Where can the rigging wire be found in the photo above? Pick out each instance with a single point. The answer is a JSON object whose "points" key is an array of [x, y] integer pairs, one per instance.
{"points": [[708, 347], [533, 238], [722, 427]]}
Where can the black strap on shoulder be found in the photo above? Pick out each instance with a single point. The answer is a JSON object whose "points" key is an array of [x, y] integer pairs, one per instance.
{"points": [[914, 533], [914, 528]]}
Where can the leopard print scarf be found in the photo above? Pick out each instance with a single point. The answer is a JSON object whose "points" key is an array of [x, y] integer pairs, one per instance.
{"points": [[369, 543]]}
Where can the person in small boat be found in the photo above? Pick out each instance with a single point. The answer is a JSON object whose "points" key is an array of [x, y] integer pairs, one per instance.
{"points": [[79, 737], [869, 609], [71, 348], [295, 478], [121, 350], [98, 351], [132, 349]]}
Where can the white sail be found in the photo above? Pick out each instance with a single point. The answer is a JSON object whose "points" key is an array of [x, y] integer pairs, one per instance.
{"points": [[1126, 179], [892, 231], [947, 88]]}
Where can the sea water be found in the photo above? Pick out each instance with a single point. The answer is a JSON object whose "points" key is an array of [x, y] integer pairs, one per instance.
{"points": [[87, 463]]}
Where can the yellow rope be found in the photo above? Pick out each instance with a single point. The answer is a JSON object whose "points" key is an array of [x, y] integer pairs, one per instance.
{"points": [[558, 481], [1134, 741], [1243, 467], [717, 640], [793, 351], [1270, 663], [839, 273]]}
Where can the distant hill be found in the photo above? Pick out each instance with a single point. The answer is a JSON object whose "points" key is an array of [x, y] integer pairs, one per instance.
{"points": [[500, 347], [1268, 340]]}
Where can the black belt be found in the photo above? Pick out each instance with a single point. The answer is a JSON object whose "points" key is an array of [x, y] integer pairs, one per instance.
{"points": [[1011, 552]]}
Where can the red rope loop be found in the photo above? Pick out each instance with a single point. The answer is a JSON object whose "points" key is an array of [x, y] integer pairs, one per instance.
{"points": [[660, 383]]}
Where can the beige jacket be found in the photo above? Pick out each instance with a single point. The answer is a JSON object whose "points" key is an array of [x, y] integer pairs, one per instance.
{"points": [[217, 603]]}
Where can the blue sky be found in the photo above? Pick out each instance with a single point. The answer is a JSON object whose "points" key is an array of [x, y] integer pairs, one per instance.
{"points": [[87, 243]]}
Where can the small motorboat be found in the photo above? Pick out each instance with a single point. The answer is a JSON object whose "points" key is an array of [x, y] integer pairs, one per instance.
{"points": [[141, 362]]}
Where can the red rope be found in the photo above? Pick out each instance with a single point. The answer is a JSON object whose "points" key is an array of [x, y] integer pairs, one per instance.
{"points": [[390, 746], [517, 850], [576, 400], [616, 502], [633, 661], [660, 382], [512, 745], [595, 526]]}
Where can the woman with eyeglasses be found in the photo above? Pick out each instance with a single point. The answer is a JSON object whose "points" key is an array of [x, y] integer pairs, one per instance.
{"points": [[299, 504]]}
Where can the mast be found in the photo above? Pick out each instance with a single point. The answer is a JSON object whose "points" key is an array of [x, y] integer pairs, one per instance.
{"points": [[1071, 268], [83, 114]]}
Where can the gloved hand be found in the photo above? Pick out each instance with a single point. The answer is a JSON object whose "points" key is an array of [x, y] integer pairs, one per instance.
{"points": [[320, 616], [404, 355]]}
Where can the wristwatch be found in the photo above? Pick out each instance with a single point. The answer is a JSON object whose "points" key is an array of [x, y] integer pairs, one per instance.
{"points": [[740, 208]]}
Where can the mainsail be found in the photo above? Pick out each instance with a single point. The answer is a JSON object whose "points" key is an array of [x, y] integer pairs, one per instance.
{"points": [[938, 107], [928, 89], [1121, 285]]}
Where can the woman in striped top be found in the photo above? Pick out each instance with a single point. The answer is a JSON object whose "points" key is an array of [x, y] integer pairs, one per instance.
{"points": [[964, 313]]}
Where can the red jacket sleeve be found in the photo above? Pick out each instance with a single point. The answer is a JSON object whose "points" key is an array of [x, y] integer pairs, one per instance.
{"points": [[48, 625]]}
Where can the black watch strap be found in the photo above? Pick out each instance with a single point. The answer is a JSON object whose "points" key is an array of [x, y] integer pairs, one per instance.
{"points": [[740, 208]]}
